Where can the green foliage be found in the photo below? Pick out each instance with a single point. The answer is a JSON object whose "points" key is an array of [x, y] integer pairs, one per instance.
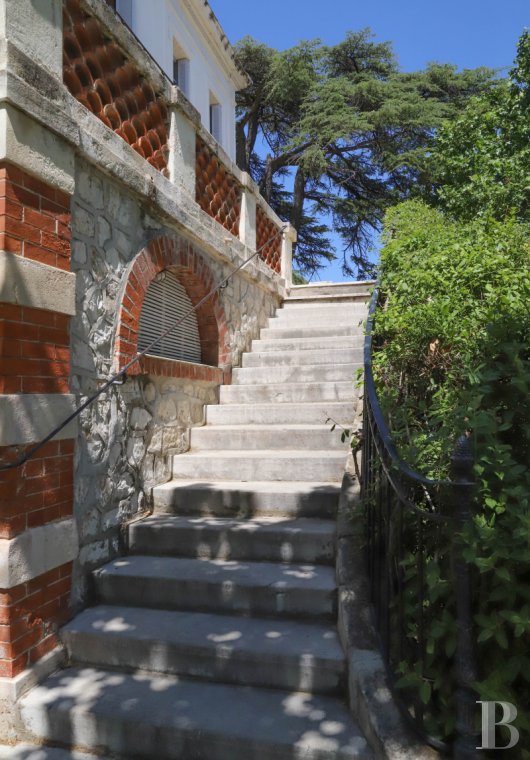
{"points": [[353, 129], [480, 162], [454, 356]]}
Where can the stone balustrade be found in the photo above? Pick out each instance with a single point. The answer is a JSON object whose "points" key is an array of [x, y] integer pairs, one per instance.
{"points": [[107, 70]]}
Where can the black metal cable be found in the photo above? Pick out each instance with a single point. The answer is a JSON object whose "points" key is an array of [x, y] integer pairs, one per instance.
{"points": [[115, 379]]}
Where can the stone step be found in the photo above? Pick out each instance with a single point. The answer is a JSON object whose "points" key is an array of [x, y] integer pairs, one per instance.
{"points": [[256, 499], [43, 752], [324, 305], [270, 539], [330, 288], [301, 345], [358, 296], [287, 413], [322, 330], [329, 357], [164, 717], [215, 437], [250, 588], [266, 464], [316, 317], [305, 373], [281, 393], [280, 654]]}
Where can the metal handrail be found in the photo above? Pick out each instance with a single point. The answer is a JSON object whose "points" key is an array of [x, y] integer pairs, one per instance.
{"points": [[115, 379], [380, 421], [388, 489]]}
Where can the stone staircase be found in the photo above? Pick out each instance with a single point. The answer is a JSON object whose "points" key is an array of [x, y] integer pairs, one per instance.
{"points": [[215, 636]]}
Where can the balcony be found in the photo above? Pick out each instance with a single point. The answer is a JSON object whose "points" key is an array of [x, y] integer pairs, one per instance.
{"points": [[109, 72]]}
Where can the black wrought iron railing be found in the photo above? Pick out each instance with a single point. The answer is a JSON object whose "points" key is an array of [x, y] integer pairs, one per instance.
{"points": [[419, 580]]}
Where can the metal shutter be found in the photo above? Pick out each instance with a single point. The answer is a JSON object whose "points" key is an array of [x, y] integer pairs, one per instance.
{"points": [[165, 303]]}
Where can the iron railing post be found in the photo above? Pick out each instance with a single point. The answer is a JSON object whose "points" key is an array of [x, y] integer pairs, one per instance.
{"points": [[465, 745]]}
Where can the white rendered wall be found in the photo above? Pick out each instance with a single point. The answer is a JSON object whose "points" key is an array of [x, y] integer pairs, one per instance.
{"points": [[157, 23]]}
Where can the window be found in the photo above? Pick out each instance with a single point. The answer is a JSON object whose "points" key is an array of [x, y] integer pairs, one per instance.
{"points": [[181, 74], [166, 301], [216, 114], [124, 8]]}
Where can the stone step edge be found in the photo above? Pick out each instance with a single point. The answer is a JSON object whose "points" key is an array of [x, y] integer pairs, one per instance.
{"points": [[257, 426], [282, 453], [74, 628], [328, 299], [24, 751], [297, 486], [77, 716]]}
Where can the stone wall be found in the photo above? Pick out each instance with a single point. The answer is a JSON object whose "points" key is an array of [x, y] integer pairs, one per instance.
{"points": [[127, 438]]}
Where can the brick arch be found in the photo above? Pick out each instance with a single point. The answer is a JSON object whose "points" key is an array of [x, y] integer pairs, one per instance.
{"points": [[180, 257]]}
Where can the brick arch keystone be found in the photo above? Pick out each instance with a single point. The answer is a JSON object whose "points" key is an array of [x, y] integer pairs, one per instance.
{"points": [[190, 267]]}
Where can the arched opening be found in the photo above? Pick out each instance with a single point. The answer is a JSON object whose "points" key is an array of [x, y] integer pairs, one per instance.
{"points": [[166, 279]]}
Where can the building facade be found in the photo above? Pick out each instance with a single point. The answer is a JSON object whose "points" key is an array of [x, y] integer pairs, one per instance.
{"points": [[187, 41], [119, 212]]}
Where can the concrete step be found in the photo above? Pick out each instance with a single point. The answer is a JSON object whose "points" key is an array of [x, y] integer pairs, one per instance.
{"points": [[164, 717], [358, 296], [323, 330], [287, 413], [329, 357], [315, 317], [305, 373], [283, 654], [215, 437], [330, 315], [301, 345], [325, 304], [330, 288], [237, 499], [43, 752], [282, 393], [250, 588], [272, 539], [266, 464]]}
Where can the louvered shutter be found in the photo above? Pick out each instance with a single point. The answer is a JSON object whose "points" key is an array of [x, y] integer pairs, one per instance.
{"points": [[165, 303]]}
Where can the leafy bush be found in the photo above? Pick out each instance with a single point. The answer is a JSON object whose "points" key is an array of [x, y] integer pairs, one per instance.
{"points": [[453, 356], [481, 160]]}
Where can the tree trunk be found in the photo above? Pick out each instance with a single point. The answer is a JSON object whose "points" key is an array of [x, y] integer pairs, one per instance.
{"points": [[298, 199], [267, 180], [241, 147]]}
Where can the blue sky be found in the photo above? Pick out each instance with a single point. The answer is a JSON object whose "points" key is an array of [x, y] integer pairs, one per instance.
{"points": [[468, 33]]}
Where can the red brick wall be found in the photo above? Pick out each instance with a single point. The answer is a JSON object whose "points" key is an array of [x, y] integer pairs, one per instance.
{"points": [[29, 616], [179, 256], [34, 358], [34, 350], [40, 491], [34, 218]]}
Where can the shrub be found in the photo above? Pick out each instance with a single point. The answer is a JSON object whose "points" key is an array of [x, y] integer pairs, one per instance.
{"points": [[453, 356]]}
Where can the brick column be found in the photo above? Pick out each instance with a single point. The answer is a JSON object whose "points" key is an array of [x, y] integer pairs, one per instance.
{"points": [[38, 538], [37, 533]]}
